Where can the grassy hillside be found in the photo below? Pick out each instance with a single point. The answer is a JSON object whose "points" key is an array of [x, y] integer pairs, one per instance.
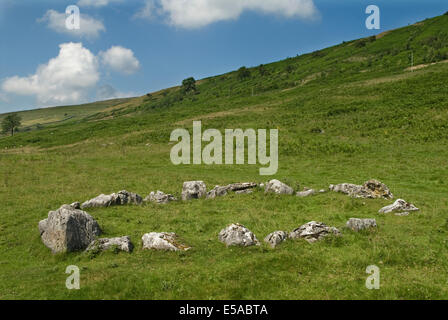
{"points": [[345, 114]]}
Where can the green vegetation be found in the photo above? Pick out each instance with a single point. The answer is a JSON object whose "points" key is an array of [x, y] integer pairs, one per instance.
{"points": [[11, 123], [189, 85], [345, 114]]}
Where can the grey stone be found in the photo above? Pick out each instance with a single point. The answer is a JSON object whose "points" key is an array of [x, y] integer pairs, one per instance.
{"points": [[246, 191], [313, 231], [305, 193], [372, 189], [399, 205], [356, 224], [193, 190], [278, 187], [241, 186], [121, 243], [276, 237], [217, 191], [237, 235], [120, 198], [160, 197], [166, 241], [68, 229]]}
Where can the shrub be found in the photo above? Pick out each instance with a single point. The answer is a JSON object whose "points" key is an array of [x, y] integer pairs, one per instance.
{"points": [[243, 73], [189, 85]]}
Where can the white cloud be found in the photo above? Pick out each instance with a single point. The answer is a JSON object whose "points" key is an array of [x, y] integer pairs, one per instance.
{"points": [[66, 78], [199, 13], [95, 3], [120, 60], [89, 27], [147, 11]]}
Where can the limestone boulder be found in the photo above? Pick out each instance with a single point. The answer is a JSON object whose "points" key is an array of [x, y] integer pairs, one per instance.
{"points": [[68, 229], [278, 187], [165, 241], [276, 237], [372, 189], [104, 244], [399, 205], [160, 197], [120, 198], [356, 224], [193, 190], [313, 231], [237, 235]]}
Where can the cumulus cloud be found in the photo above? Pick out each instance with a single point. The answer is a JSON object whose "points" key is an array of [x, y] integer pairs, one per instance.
{"points": [[147, 11], [89, 27], [120, 59], [65, 79], [199, 13], [95, 3]]}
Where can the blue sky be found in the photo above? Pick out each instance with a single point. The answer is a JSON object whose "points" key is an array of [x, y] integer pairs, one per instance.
{"points": [[124, 50]]}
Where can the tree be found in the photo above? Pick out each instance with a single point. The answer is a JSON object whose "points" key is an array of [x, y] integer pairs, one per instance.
{"points": [[10, 123], [262, 70], [243, 73], [189, 85]]}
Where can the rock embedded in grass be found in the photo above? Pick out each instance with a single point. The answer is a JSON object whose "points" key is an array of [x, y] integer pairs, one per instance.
{"points": [[306, 193], [193, 190], [121, 198], [160, 197], [313, 231], [241, 186], [166, 241], [278, 187], [356, 224], [399, 205], [217, 191], [237, 235], [68, 229], [120, 243], [276, 237], [238, 188], [372, 189]]}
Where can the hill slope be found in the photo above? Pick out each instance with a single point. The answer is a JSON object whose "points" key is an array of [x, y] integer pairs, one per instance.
{"points": [[345, 114]]}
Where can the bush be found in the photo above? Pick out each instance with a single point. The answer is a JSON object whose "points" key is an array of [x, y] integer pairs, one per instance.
{"points": [[243, 73], [189, 85]]}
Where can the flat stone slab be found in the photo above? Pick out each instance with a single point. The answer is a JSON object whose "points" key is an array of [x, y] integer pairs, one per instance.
{"points": [[399, 205], [372, 189], [313, 231], [356, 224], [104, 244], [166, 241], [121, 198], [160, 197]]}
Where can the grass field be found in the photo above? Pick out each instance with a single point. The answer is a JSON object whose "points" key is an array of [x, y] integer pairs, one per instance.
{"points": [[379, 120]]}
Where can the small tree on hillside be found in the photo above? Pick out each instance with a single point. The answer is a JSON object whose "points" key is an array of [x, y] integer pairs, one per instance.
{"points": [[10, 123], [262, 70], [243, 73], [189, 85]]}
